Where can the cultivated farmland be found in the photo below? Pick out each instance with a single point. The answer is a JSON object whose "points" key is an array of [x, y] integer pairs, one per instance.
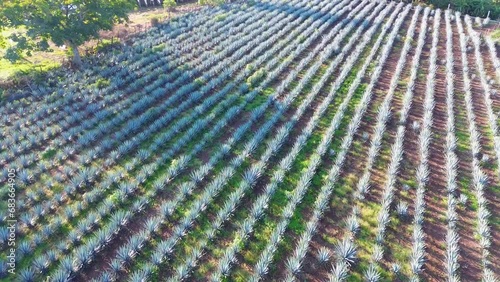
{"points": [[324, 140]]}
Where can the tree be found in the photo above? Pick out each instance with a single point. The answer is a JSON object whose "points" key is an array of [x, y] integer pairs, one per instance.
{"points": [[169, 5], [63, 22]]}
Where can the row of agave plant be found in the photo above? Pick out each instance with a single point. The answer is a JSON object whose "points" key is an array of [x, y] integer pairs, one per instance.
{"points": [[480, 180], [452, 236], [352, 222], [372, 273], [345, 249], [41, 210], [294, 264], [249, 177], [383, 218]]}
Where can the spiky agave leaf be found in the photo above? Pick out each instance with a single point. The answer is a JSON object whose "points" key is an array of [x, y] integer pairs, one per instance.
{"points": [[346, 251], [372, 274], [339, 272]]}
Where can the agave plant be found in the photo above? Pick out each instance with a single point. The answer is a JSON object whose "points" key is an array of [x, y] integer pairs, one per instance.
{"points": [[294, 265], [352, 224], [378, 253], [24, 248], [395, 268], [140, 276], [25, 177], [402, 209], [489, 276], [27, 275], [261, 268], [115, 266], [339, 272]]}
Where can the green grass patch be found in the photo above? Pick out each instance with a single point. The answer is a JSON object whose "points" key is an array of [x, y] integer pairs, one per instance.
{"points": [[159, 47]]}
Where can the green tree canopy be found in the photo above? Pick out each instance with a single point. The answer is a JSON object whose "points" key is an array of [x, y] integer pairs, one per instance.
{"points": [[63, 22]]}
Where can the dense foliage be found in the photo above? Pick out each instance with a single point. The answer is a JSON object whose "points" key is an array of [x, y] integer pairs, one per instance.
{"points": [[69, 23]]}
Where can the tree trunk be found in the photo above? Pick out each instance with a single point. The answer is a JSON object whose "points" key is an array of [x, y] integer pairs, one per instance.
{"points": [[77, 60]]}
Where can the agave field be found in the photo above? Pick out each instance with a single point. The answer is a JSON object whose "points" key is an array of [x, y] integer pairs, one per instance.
{"points": [[323, 140]]}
